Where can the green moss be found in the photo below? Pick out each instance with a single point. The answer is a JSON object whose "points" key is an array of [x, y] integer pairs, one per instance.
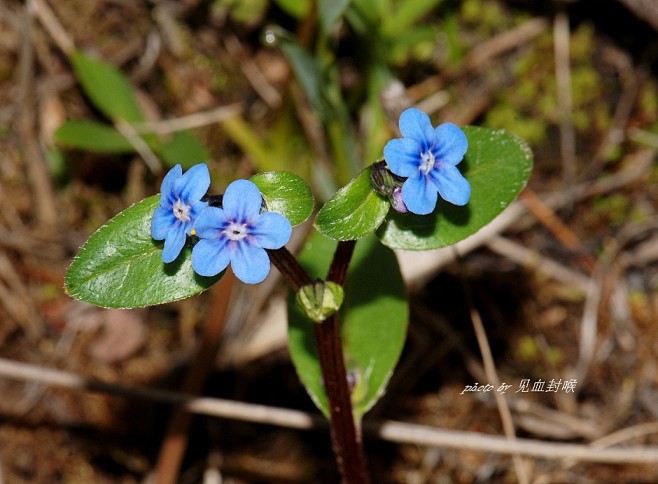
{"points": [[612, 209], [504, 116], [555, 356], [489, 17], [582, 44], [585, 85], [530, 106], [527, 349], [647, 102]]}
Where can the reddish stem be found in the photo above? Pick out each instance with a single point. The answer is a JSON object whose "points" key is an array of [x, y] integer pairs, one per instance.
{"points": [[346, 438]]}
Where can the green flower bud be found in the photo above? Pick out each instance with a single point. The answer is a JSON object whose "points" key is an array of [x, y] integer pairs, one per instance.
{"points": [[320, 299], [388, 185]]}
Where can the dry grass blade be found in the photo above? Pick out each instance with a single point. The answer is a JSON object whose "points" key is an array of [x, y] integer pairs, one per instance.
{"points": [[16, 300], [588, 327], [492, 377], [253, 74], [41, 184], [561, 36]]}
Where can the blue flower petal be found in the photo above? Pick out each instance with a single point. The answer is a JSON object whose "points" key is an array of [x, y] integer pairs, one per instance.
{"points": [[210, 223], [242, 201], [243, 245], [162, 220], [402, 156], [271, 230], [451, 184], [419, 195], [174, 242], [450, 144], [416, 124], [250, 264], [167, 197], [193, 184], [196, 209], [211, 256]]}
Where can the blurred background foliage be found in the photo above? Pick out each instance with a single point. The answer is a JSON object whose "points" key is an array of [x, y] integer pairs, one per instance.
{"points": [[343, 58]]}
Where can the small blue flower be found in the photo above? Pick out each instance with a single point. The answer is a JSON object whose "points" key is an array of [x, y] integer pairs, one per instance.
{"points": [[238, 233], [428, 158], [180, 205]]}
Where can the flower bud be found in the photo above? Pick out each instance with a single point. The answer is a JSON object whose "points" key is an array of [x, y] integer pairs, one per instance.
{"points": [[320, 299], [388, 185], [396, 201]]}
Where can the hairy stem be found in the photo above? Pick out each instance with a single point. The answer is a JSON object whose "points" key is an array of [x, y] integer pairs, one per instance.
{"points": [[289, 268], [346, 437], [348, 446]]}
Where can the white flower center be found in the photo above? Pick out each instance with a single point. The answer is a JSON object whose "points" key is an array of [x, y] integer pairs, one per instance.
{"points": [[427, 162], [236, 231], [181, 211]]}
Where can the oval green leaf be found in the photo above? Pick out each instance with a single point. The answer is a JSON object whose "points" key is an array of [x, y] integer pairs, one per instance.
{"points": [[120, 266], [373, 315], [355, 211], [296, 8], [285, 193], [107, 87], [497, 165], [92, 136]]}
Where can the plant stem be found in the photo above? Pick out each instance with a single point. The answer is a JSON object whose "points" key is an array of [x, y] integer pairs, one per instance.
{"points": [[289, 267], [346, 438], [348, 446]]}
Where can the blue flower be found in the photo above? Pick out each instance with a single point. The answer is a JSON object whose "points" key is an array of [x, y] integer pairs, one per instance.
{"points": [[238, 233], [428, 158], [180, 205]]}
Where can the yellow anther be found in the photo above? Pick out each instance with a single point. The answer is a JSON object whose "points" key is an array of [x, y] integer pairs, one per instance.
{"points": [[193, 232]]}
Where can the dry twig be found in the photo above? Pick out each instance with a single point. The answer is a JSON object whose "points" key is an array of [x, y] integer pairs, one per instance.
{"points": [[52, 25], [190, 121], [532, 259], [150, 158], [399, 432]]}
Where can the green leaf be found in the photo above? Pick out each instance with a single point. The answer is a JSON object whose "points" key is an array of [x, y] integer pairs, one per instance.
{"points": [[355, 211], [120, 266], [297, 8], [92, 136], [307, 71], [497, 165], [285, 193], [107, 87], [185, 148], [248, 139], [407, 14], [330, 11], [374, 318]]}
